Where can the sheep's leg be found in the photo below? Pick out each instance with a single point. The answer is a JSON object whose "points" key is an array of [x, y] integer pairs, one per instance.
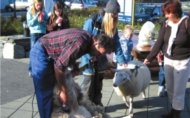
{"points": [[130, 107], [125, 100], [143, 94]]}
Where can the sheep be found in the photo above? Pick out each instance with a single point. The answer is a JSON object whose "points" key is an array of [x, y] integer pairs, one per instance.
{"points": [[131, 81], [79, 107]]}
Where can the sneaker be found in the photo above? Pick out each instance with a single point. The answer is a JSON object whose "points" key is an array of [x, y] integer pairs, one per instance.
{"points": [[161, 91], [30, 74]]}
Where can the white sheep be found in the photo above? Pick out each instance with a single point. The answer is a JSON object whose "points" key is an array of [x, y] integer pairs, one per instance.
{"points": [[79, 107], [131, 81]]}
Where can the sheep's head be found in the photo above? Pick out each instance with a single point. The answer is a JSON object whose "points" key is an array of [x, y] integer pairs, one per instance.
{"points": [[121, 76]]}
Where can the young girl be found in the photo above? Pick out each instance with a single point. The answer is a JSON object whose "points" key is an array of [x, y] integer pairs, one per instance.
{"points": [[58, 20], [36, 20], [126, 43]]}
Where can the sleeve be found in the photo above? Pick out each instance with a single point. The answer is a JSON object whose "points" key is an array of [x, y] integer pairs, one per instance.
{"points": [[158, 45], [45, 18], [130, 46], [188, 29], [88, 26], [31, 20], [49, 6], [51, 24], [118, 50], [65, 22]]}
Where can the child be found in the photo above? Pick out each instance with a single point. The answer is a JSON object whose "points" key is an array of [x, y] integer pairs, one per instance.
{"points": [[126, 43], [36, 20], [58, 20], [161, 84]]}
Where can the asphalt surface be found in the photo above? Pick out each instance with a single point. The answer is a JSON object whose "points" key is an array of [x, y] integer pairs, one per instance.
{"points": [[15, 82]]}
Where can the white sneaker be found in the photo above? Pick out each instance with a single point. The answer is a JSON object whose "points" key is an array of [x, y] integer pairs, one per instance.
{"points": [[161, 91]]}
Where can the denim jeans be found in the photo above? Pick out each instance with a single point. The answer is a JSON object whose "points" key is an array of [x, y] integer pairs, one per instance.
{"points": [[43, 79], [33, 38], [161, 76]]}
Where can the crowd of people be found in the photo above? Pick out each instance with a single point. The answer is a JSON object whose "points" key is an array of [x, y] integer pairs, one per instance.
{"points": [[55, 46]]}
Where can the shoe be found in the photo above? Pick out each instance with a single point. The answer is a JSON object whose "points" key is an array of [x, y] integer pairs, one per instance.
{"points": [[99, 104], [30, 74], [169, 115], [161, 91], [66, 108]]}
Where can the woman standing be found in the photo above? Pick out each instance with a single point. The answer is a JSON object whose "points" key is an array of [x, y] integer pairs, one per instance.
{"points": [[103, 22], [57, 20], [175, 36], [36, 20]]}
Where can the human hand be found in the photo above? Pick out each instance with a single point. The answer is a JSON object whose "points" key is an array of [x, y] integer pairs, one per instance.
{"points": [[63, 97], [40, 20], [60, 19], [93, 59], [146, 62], [40, 17]]}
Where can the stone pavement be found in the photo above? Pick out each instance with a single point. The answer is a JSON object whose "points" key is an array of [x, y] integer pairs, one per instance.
{"points": [[152, 107]]}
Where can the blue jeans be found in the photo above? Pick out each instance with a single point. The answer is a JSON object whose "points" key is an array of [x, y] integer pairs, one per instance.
{"points": [[33, 38], [43, 78], [161, 76]]}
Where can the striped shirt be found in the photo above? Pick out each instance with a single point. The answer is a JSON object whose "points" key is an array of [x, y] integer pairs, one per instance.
{"points": [[66, 46]]}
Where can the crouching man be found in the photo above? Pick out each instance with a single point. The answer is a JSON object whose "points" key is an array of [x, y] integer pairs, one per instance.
{"points": [[53, 53]]}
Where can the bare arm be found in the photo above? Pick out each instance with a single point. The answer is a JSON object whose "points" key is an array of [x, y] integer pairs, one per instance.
{"points": [[59, 75]]}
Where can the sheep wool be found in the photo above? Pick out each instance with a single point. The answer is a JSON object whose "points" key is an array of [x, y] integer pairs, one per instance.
{"points": [[130, 82]]}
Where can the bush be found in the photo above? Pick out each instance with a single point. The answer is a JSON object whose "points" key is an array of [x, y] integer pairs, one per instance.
{"points": [[13, 26]]}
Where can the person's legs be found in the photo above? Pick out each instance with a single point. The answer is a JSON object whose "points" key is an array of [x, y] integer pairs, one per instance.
{"points": [[88, 77], [161, 84], [98, 88], [33, 38], [43, 78], [181, 73], [176, 84], [169, 78], [87, 89]]}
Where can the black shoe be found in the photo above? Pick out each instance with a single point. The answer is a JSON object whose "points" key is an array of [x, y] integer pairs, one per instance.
{"points": [[169, 115], [177, 113], [66, 108], [99, 103]]}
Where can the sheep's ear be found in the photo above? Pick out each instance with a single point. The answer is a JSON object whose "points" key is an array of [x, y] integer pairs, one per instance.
{"points": [[128, 77]]}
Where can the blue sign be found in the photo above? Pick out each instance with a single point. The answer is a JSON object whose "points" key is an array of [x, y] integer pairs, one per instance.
{"points": [[125, 14]]}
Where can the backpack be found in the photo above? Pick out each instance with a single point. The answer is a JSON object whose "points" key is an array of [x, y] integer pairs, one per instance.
{"points": [[97, 26]]}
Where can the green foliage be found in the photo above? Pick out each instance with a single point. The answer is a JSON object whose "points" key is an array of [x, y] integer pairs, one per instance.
{"points": [[12, 26]]}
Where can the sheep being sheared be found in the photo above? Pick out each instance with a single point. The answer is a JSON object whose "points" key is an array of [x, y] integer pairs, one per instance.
{"points": [[131, 81], [79, 108]]}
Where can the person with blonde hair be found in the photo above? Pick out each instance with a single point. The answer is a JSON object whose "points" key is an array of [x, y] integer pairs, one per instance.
{"points": [[36, 20], [57, 20], [104, 22], [126, 43], [48, 5]]}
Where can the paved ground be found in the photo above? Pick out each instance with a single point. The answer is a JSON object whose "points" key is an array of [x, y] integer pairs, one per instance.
{"points": [[19, 102]]}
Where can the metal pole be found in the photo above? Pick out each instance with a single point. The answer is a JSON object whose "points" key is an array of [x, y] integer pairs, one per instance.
{"points": [[14, 10], [133, 12]]}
